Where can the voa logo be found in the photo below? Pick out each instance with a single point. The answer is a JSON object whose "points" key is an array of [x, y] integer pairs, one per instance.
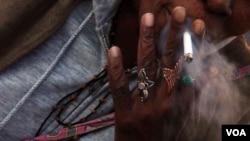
{"points": [[236, 132]]}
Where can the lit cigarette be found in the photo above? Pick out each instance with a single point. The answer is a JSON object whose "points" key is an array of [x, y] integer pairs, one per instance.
{"points": [[188, 49]]}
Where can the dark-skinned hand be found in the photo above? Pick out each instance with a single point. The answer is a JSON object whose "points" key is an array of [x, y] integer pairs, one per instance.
{"points": [[138, 120]]}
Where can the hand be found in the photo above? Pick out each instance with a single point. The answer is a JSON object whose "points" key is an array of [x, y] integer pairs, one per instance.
{"points": [[138, 120]]}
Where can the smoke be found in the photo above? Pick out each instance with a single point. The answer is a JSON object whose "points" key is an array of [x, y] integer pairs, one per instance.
{"points": [[218, 95], [218, 100]]}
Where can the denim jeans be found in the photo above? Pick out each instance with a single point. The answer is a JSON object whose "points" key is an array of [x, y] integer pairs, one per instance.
{"points": [[69, 58]]}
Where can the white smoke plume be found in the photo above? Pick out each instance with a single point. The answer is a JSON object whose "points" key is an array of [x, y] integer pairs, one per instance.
{"points": [[219, 100]]}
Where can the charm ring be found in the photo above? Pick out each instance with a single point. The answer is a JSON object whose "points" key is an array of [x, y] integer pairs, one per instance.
{"points": [[143, 84], [171, 75]]}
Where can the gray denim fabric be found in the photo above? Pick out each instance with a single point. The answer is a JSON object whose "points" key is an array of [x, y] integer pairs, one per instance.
{"points": [[76, 52]]}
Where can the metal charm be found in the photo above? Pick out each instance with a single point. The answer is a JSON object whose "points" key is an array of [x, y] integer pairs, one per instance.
{"points": [[143, 84]]}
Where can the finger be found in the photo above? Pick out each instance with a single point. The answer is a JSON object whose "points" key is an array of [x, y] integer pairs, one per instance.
{"points": [[146, 47], [198, 27], [172, 52], [118, 81]]}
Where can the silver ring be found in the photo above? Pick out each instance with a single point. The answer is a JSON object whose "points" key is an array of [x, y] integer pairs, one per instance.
{"points": [[144, 84]]}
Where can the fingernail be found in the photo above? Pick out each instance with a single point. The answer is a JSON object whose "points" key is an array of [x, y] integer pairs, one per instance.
{"points": [[179, 14], [148, 19], [198, 26], [114, 51]]}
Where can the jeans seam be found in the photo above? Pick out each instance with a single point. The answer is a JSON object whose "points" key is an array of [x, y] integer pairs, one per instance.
{"points": [[46, 73]]}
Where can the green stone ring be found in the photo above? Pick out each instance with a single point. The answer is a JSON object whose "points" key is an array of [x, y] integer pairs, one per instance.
{"points": [[187, 80]]}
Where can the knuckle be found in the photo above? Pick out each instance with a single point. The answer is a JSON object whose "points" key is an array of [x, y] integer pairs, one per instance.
{"points": [[152, 63], [148, 35]]}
